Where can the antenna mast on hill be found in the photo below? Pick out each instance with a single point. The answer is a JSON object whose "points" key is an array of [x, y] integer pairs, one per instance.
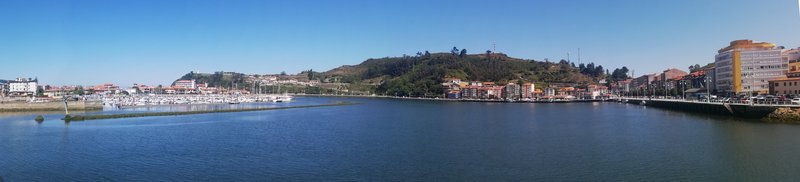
{"points": [[568, 60], [494, 46]]}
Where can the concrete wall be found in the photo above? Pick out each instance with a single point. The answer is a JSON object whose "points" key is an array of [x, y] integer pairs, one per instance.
{"points": [[50, 106], [739, 110]]}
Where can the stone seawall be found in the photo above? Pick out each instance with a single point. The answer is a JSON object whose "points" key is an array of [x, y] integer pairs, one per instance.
{"points": [[738, 110], [50, 106]]}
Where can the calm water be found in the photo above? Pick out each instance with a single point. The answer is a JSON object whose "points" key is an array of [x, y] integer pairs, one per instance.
{"points": [[390, 140]]}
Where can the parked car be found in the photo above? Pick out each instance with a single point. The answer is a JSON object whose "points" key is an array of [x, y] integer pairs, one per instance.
{"points": [[796, 101], [744, 99], [781, 98]]}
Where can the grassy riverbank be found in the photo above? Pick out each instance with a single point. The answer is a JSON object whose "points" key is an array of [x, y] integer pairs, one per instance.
{"points": [[69, 118]]}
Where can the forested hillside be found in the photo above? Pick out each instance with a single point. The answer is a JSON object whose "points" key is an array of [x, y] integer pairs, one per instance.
{"points": [[217, 79], [423, 74]]}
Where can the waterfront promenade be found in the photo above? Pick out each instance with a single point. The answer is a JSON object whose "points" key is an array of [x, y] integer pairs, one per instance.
{"points": [[756, 110], [718, 102]]}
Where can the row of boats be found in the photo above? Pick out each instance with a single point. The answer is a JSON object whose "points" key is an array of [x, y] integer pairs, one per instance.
{"points": [[151, 100]]}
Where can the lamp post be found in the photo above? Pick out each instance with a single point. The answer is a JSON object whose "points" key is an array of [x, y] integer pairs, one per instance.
{"points": [[683, 91], [653, 89], [752, 75], [752, 82], [708, 89]]}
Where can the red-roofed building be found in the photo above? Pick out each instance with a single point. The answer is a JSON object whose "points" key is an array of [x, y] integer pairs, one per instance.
{"points": [[527, 90], [470, 92], [785, 86], [107, 88]]}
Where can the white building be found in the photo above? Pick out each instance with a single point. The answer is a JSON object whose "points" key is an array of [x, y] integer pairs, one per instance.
{"points": [[550, 91], [792, 55], [3, 88], [23, 87], [185, 84], [746, 67]]}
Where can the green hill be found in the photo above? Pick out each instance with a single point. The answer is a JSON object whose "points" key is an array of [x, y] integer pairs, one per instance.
{"points": [[422, 75], [217, 79]]}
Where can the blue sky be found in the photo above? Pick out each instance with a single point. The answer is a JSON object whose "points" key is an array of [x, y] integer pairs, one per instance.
{"points": [[155, 42]]}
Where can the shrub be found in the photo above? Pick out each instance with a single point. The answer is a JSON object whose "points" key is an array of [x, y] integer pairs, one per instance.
{"points": [[39, 118]]}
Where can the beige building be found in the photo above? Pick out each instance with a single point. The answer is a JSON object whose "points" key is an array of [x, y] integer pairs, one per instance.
{"points": [[785, 86], [793, 57]]}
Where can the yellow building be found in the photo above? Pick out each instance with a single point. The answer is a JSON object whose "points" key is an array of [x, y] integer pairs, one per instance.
{"points": [[746, 67]]}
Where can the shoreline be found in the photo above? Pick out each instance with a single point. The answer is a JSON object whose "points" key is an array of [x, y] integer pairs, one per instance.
{"points": [[455, 100], [787, 114]]}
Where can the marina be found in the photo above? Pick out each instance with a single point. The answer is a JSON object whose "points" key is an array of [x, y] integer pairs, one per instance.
{"points": [[183, 99]]}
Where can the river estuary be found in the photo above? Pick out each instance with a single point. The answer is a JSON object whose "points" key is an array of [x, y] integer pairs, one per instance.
{"points": [[393, 140]]}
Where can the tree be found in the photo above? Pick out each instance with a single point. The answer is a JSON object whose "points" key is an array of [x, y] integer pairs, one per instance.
{"points": [[454, 51], [625, 71], [283, 73], [39, 91], [427, 54], [619, 74], [311, 74], [598, 71], [589, 69], [463, 53], [160, 89], [694, 68], [78, 91]]}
